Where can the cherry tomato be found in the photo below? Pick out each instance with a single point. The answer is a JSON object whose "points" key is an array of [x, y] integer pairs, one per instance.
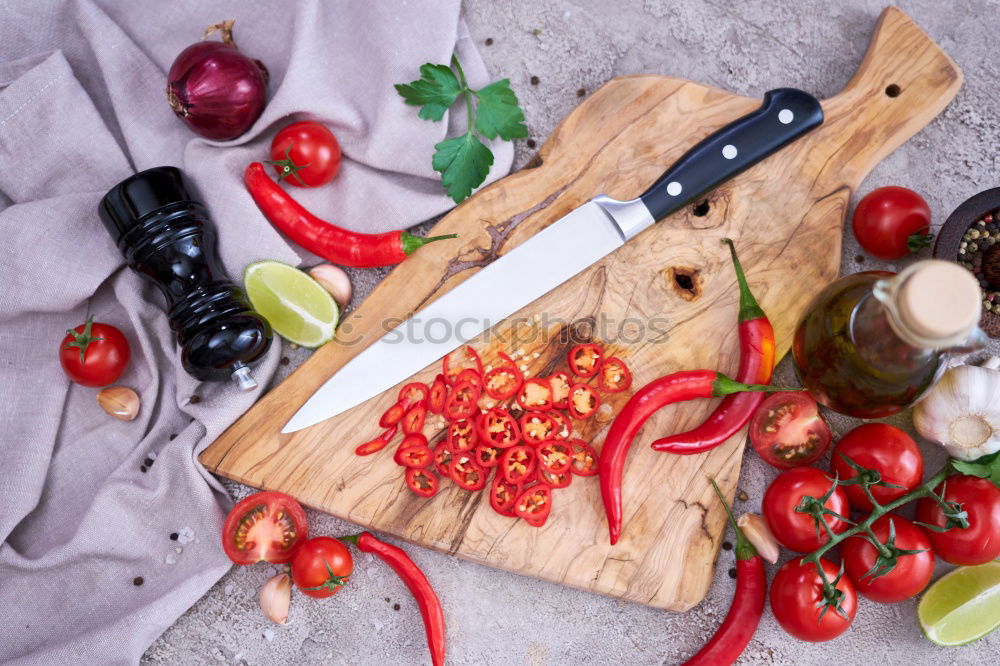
{"points": [[798, 604], [980, 541], [534, 504], [413, 420], [795, 530], [911, 573], [438, 395], [537, 427], [555, 456], [451, 373], [517, 463], [321, 566], [560, 383], [615, 376], [535, 395], [305, 154], [442, 459], [891, 222], [467, 474], [264, 527], [421, 481], [585, 461], [377, 444], [498, 428], [787, 430], [883, 448], [583, 401], [94, 354], [503, 494], [584, 360]]}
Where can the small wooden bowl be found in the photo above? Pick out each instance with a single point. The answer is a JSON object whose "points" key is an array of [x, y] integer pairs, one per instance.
{"points": [[949, 239]]}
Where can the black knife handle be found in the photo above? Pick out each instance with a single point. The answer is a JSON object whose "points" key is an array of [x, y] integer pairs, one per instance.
{"points": [[785, 115]]}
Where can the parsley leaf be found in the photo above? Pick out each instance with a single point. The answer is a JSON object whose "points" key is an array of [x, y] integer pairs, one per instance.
{"points": [[464, 163], [497, 112], [435, 91]]}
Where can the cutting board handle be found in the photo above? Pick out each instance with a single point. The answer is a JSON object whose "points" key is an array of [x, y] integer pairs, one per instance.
{"points": [[904, 81]]}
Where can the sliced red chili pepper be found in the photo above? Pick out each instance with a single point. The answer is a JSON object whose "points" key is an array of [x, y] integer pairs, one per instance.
{"points": [[563, 427], [534, 504], [585, 360], [537, 427], [471, 376], [412, 394], [392, 416], [488, 456], [451, 374], [377, 444], [461, 403], [517, 463], [467, 474], [442, 459], [422, 481], [560, 383], [535, 395], [555, 456], [615, 375], [414, 419], [498, 428], [583, 401], [437, 396], [503, 382], [561, 480], [503, 494], [413, 456], [462, 436], [585, 461]]}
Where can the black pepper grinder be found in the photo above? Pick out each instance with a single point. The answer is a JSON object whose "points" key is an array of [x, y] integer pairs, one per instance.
{"points": [[166, 235]]}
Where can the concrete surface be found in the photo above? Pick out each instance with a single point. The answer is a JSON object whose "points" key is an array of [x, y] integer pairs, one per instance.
{"points": [[496, 617]]}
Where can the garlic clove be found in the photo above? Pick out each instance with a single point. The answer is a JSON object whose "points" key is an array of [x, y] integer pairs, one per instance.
{"points": [[119, 401], [275, 598], [759, 534], [335, 280]]}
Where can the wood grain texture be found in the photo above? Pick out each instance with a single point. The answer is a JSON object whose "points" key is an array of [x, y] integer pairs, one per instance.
{"points": [[786, 215]]}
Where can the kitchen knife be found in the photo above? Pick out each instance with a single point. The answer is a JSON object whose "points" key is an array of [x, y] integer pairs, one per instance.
{"points": [[565, 247]]}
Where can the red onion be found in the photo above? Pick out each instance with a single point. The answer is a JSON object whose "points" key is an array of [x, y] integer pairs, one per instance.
{"points": [[216, 89]]}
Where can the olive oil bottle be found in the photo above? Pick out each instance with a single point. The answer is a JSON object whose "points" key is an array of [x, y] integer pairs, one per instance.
{"points": [[872, 343]]}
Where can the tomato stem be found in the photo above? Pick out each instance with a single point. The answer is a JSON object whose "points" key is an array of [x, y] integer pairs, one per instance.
{"points": [[288, 166], [82, 340]]}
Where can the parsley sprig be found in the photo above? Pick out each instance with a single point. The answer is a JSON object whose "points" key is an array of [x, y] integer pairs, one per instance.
{"points": [[464, 161]]}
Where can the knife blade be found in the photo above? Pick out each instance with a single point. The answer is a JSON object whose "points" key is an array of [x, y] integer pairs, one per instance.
{"points": [[566, 247]]}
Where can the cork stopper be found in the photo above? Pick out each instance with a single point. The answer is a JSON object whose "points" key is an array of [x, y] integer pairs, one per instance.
{"points": [[939, 301]]}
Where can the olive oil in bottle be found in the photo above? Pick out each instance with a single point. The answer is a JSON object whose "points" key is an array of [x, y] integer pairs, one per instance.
{"points": [[871, 344]]}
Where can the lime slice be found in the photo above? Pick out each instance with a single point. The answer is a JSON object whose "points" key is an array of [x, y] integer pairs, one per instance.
{"points": [[962, 606], [296, 306]]}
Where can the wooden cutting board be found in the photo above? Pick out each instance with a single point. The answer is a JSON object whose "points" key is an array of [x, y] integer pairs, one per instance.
{"points": [[665, 301]]}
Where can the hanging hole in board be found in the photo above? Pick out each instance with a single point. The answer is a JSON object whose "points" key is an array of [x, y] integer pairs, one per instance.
{"points": [[893, 90], [701, 210]]}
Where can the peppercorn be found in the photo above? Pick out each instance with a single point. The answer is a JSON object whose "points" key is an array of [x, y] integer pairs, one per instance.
{"points": [[137, 581], [534, 80], [195, 399]]}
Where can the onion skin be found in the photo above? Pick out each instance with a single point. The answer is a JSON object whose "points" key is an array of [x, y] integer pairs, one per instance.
{"points": [[216, 89]]}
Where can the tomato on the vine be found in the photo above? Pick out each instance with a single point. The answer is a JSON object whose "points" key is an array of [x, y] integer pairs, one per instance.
{"points": [[305, 154], [980, 500], [94, 354], [321, 566], [797, 601], [891, 222], [794, 529], [907, 578], [882, 448], [264, 527], [787, 430]]}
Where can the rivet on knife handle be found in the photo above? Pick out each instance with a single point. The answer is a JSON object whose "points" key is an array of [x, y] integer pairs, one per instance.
{"points": [[785, 115]]}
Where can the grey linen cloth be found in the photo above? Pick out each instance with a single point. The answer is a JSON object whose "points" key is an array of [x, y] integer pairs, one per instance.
{"points": [[88, 571]]}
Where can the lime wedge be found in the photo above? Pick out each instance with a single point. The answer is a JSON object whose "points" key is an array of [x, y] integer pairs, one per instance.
{"points": [[962, 606], [296, 306]]}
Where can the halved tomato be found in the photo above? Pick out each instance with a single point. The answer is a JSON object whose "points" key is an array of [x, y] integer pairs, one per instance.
{"points": [[787, 430], [264, 527]]}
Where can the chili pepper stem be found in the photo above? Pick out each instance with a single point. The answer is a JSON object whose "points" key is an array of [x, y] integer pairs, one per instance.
{"points": [[744, 549], [412, 243], [749, 307], [723, 385], [350, 538]]}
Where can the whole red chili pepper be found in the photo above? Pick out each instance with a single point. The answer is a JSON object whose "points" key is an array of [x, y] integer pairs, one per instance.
{"points": [[347, 248], [741, 622], [756, 365], [416, 581], [676, 387]]}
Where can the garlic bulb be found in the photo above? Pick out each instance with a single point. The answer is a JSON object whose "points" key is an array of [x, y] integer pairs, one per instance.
{"points": [[275, 597], [962, 412]]}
